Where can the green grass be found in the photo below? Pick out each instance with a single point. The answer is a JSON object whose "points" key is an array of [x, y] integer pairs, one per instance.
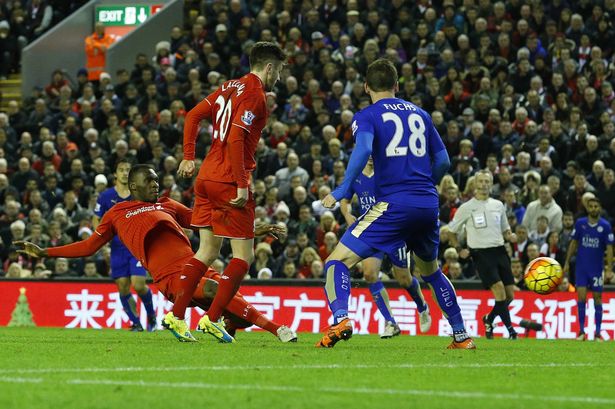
{"points": [[58, 368]]}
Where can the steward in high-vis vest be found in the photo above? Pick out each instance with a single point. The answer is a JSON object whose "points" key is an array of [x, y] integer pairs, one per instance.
{"points": [[96, 47]]}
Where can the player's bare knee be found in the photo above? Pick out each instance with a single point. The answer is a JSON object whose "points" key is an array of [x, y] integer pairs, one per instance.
{"points": [[402, 275], [123, 286]]}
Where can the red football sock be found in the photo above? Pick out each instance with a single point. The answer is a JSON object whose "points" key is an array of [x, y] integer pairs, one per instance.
{"points": [[241, 308], [227, 287], [191, 274]]}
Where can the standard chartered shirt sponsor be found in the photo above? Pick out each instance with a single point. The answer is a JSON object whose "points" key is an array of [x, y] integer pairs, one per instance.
{"points": [[484, 220]]}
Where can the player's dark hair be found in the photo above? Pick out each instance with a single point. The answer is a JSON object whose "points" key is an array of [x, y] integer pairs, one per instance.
{"points": [[381, 75], [594, 199], [121, 161], [263, 53], [138, 169]]}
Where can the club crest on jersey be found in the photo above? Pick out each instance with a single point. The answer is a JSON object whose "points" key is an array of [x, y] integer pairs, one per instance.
{"points": [[600, 229], [354, 127], [247, 117]]}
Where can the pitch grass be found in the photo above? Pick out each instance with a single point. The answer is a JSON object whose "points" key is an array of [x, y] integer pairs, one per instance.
{"points": [[59, 368]]}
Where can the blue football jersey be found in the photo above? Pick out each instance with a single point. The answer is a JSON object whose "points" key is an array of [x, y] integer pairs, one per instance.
{"points": [[106, 200], [365, 189], [405, 142], [592, 241]]}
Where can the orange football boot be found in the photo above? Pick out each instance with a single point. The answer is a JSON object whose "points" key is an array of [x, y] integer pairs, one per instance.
{"points": [[465, 344], [335, 333]]}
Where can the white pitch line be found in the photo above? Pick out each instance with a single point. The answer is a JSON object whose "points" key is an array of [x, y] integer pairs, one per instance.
{"points": [[300, 367], [369, 391], [301, 389], [7, 379]]}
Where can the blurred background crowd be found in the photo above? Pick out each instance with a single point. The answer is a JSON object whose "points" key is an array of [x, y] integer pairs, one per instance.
{"points": [[522, 88]]}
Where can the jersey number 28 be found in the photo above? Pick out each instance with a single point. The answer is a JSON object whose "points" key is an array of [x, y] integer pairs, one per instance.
{"points": [[417, 141], [223, 117]]}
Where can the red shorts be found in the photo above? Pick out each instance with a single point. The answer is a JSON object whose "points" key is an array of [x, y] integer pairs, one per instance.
{"points": [[170, 284], [212, 209]]}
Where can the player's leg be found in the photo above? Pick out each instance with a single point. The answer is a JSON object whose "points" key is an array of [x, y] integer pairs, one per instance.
{"points": [[138, 276], [236, 270], [171, 285], [582, 282], [371, 270], [240, 309], [120, 272], [597, 282], [408, 281], [423, 239]]}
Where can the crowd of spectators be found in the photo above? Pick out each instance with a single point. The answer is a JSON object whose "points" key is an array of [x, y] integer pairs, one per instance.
{"points": [[522, 88], [23, 21]]}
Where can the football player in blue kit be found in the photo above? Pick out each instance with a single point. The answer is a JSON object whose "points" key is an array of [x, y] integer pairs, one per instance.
{"points": [[591, 237], [409, 160], [365, 190], [126, 270]]}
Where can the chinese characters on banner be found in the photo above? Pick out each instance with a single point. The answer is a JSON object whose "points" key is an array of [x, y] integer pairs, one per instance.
{"points": [[304, 309]]}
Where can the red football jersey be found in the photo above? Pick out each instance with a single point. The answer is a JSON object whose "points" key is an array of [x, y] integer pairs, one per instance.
{"points": [[132, 221], [238, 112]]}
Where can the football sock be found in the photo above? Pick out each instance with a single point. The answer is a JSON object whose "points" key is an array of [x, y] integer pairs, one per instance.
{"points": [[381, 298], [493, 313], [447, 299], [147, 302], [337, 289], [415, 292], [128, 307], [241, 308], [227, 287], [190, 276], [504, 313], [581, 308], [598, 317]]}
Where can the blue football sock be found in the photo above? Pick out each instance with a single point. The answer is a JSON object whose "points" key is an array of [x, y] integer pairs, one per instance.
{"points": [[447, 299], [381, 298], [598, 317], [581, 308], [148, 303], [125, 299], [415, 292], [337, 289]]}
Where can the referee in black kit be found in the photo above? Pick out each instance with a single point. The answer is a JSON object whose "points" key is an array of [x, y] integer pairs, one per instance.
{"points": [[487, 226]]}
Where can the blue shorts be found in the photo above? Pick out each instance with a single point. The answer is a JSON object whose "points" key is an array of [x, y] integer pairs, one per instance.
{"points": [[592, 281], [394, 229], [124, 264]]}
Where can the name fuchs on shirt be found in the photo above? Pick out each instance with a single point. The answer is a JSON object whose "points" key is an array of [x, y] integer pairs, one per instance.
{"points": [[143, 210]]}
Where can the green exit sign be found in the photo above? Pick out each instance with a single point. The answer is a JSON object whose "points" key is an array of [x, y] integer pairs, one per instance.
{"points": [[132, 15]]}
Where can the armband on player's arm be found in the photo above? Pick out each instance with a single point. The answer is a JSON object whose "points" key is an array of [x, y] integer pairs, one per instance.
{"points": [[441, 163], [82, 248], [357, 162], [236, 142], [191, 126]]}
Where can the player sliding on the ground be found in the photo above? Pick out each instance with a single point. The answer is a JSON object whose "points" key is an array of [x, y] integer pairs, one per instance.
{"points": [[409, 159], [152, 229], [365, 189]]}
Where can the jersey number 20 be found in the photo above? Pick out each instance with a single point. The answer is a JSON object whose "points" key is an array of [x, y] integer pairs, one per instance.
{"points": [[417, 139], [223, 117]]}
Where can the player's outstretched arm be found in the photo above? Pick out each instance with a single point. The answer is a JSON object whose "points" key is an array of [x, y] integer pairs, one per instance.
{"points": [[30, 249], [82, 248], [358, 160]]}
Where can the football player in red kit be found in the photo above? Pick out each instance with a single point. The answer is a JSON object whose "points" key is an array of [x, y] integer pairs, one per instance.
{"points": [[224, 206], [152, 229]]}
